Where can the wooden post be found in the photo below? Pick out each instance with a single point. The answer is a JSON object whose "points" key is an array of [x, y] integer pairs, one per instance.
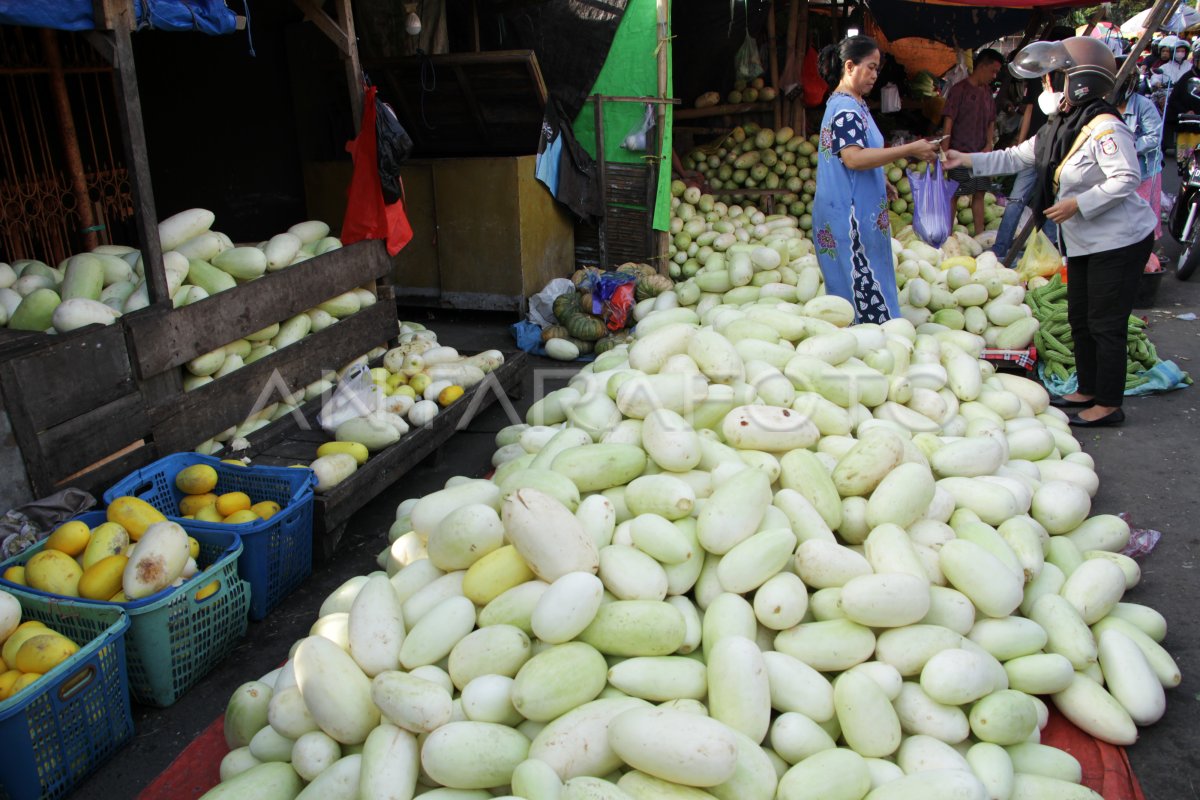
{"points": [[661, 244], [353, 67], [799, 112], [476, 41], [602, 174], [341, 33], [119, 15], [70, 140], [773, 53]]}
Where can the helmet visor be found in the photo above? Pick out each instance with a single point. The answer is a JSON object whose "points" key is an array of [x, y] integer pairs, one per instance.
{"points": [[1040, 58]]}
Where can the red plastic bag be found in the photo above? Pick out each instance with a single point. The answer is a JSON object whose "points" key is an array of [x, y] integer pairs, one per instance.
{"points": [[619, 306], [367, 215]]}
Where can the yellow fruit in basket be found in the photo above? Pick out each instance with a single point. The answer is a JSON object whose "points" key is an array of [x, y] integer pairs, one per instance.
{"points": [[208, 514], [196, 479], [26, 679], [241, 517], [44, 652], [119, 597], [208, 591], [24, 631], [54, 572], [406, 390], [103, 579], [230, 502], [15, 575], [234, 461], [396, 379], [134, 515], [380, 375], [194, 502], [449, 395], [419, 382], [7, 681], [108, 539], [71, 538], [193, 548], [266, 509]]}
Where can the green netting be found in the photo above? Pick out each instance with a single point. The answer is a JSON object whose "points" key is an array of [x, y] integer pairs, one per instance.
{"points": [[631, 70]]}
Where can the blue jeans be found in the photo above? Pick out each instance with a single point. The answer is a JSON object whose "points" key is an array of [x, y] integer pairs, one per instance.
{"points": [[1021, 192]]}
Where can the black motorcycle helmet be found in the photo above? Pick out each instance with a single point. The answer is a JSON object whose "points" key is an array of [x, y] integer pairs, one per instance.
{"points": [[1088, 64]]}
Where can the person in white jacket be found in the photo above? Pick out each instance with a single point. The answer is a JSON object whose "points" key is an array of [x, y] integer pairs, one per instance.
{"points": [[1173, 71], [1088, 175]]}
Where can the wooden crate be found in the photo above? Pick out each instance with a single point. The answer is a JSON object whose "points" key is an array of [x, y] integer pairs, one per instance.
{"points": [[75, 409], [287, 441], [163, 340]]}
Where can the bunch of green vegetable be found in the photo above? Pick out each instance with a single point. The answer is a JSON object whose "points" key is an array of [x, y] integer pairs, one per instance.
{"points": [[1056, 345]]}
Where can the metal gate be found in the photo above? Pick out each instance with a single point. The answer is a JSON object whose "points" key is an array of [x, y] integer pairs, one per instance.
{"points": [[63, 182]]}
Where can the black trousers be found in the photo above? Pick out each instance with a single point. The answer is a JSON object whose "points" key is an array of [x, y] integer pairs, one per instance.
{"points": [[1100, 291]]}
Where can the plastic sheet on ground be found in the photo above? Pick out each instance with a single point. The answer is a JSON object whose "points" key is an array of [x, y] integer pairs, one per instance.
{"points": [[1165, 376], [1141, 540]]}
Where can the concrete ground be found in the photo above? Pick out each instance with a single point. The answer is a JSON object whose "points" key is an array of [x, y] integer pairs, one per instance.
{"points": [[1147, 468]]}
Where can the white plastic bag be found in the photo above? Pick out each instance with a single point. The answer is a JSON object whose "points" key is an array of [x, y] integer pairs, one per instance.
{"points": [[637, 140], [889, 99], [356, 396], [958, 72], [541, 305]]}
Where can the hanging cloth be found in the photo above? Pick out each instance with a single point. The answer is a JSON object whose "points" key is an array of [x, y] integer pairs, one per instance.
{"points": [[367, 215]]}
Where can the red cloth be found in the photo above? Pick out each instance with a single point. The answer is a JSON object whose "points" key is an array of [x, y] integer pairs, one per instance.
{"points": [[195, 770], [367, 216], [815, 87], [1106, 767]]}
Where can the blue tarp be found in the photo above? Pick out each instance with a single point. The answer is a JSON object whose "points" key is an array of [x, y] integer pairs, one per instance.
{"points": [[206, 16]]}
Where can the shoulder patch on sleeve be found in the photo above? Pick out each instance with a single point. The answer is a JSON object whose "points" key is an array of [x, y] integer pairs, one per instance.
{"points": [[1108, 146]]}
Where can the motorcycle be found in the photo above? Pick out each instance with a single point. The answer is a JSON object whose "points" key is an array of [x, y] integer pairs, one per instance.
{"points": [[1184, 222]]}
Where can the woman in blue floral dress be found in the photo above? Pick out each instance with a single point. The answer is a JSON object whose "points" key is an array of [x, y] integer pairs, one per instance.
{"points": [[850, 210]]}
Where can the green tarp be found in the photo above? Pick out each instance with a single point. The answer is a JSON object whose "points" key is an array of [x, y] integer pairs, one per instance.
{"points": [[631, 70]]}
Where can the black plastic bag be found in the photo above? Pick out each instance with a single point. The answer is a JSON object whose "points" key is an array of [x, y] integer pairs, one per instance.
{"points": [[394, 148]]}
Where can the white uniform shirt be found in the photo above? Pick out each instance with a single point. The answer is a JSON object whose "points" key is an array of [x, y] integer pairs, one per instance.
{"points": [[1102, 175]]}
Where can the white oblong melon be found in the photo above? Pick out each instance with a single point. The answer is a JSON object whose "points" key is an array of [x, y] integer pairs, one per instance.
{"points": [[473, 755], [868, 721], [887, 600], [567, 607], [675, 746]]}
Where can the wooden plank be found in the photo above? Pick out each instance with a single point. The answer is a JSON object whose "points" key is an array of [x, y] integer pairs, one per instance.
{"points": [[382, 470], [71, 375], [717, 111], [210, 409], [24, 431], [99, 478], [316, 15], [88, 438], [167, 338]]}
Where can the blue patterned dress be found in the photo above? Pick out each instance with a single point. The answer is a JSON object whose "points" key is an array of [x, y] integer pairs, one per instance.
{"points": [[851, 229]]}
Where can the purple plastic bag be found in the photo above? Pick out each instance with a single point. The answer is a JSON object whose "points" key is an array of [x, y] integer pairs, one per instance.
{"points": [[933, 204]]}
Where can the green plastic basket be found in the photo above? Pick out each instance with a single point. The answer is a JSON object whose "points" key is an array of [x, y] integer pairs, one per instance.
{"points": [[61, 728], [174, 638]]}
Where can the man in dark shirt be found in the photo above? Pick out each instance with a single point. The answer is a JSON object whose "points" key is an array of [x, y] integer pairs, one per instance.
{"points": [[969, 120]]}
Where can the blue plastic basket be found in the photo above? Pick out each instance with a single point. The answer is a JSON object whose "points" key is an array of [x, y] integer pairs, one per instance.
{"points": [[60, 729], [174, 639], [277, 553]]}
